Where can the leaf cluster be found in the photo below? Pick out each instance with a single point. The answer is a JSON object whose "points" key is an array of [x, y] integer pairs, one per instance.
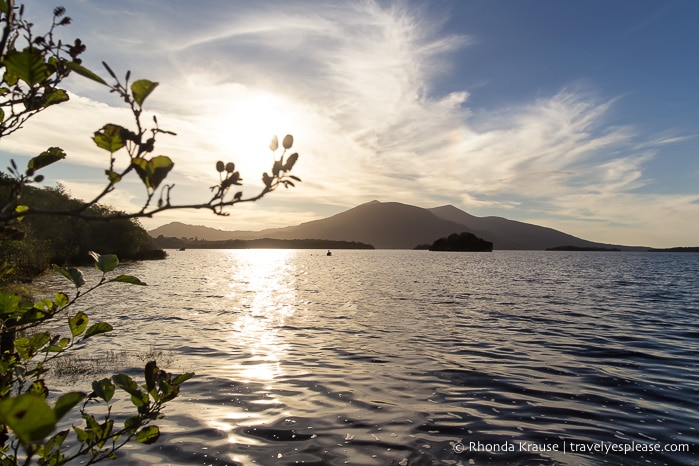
{"points": [[30, 247], [40, 67], [33, 67], [28, 421]]}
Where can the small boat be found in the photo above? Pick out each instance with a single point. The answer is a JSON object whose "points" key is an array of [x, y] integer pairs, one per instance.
{"points": [[181, 249], [329, 253]]}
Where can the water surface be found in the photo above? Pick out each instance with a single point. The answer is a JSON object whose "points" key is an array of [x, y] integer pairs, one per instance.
{"points": [[415, 357]]}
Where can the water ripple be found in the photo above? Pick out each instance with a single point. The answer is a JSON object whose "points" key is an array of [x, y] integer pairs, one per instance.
{"points": [[417, 358]]}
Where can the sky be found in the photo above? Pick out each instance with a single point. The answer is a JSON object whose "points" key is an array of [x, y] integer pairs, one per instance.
{"points": [[576, 115]]}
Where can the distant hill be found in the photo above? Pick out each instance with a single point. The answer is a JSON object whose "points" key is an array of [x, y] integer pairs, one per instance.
{"points": [[511, 234], [385, 225], [183, 230], [392, 225]]}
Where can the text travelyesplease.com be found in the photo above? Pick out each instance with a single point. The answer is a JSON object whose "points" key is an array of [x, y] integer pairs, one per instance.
{"points": [[571, 446]]}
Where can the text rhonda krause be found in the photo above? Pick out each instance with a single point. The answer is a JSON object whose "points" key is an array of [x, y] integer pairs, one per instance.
{"points": [[569, 446]]}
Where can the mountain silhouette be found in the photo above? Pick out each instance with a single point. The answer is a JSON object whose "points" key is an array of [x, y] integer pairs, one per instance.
{"points": [[392, 225], [511, 234], [184, 230]]}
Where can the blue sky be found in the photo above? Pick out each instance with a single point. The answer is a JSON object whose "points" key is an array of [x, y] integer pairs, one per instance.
{"points": [[577, 115]]}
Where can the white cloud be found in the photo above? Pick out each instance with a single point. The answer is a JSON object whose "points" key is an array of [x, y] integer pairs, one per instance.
{"points": [[353, 82], [626, 218]]}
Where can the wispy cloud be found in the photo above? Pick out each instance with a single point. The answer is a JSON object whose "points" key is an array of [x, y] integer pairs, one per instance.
{"points": [[355, 83]]}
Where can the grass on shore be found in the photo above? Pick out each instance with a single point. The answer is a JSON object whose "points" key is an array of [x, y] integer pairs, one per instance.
{"points": [[74, 367]]}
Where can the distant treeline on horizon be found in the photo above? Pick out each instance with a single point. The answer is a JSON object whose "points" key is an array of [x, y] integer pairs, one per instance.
{"points": [[577, 248], [676, 249], [262, 243]]}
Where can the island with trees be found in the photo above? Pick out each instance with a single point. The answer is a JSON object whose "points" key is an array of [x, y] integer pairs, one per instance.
{"points": [[463, 242]]}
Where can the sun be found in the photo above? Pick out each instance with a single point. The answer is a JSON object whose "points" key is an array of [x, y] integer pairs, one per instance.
{"points": [[247, 123]]}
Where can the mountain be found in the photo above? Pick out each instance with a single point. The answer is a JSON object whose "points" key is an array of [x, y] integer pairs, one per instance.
{"points": [[392, 225], [183, 230], [511, 234], [385, 225]]}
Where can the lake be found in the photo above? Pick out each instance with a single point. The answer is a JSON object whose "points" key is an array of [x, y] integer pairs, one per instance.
{"points": [[393, 357]]}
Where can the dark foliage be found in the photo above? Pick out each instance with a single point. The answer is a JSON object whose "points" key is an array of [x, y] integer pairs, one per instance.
{"points": [[677, 249], [460, 242], [41, 240], [263, 243]]}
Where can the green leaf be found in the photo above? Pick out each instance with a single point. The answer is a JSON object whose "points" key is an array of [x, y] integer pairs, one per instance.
{"points": [[66, 402], [153, 171], [78, 323], [84, 72], [55, 442], [105, 262], [54, 96], [148, 435], [59, 345], [111, 137], [39, 388], [28, 65], [142, 89], [113, 176], [128, 279], [72, 274], [139, 398], [167, 390], [126, 383], [103, 389], [132, 423], [288, 141], [92, 425], [81, 434], [180, 379], [60, 299], [49, 156], [29, 416], [44, 304], [23, 348], [96, 329], [9, 303], [27, 347], [10, 78]]}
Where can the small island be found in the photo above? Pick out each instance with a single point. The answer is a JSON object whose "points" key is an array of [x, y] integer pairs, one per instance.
{"points": [[462, 242]]}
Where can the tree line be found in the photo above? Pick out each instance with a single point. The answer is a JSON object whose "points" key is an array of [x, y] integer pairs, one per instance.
{"points": [[167, 242], [39, 227], [64, 240]]}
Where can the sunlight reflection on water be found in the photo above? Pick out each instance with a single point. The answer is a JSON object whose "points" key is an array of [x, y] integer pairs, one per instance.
{"points": [[259, 284], [389, 357]]}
